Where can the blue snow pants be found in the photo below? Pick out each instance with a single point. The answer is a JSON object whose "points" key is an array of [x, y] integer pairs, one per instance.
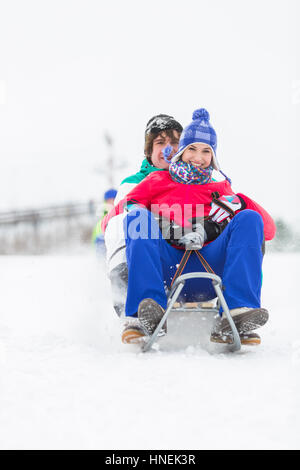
{"points": [[236, 256]]}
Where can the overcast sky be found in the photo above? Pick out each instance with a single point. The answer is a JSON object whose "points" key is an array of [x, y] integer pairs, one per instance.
{"points": [[71, 70]]}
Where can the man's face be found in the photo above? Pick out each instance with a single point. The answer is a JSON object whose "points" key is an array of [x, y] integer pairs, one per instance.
{"points": [[159, 143]]}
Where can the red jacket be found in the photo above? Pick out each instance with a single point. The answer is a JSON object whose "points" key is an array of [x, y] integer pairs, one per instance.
{"points": [[180, 202]]}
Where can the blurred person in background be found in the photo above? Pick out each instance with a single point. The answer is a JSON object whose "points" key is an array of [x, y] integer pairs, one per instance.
{"points": [[108, 203]]}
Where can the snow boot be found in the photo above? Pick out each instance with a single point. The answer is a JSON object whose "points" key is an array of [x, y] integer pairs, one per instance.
{"points": [[133, 332], [245, 319], [150, 313], [247, 339]]}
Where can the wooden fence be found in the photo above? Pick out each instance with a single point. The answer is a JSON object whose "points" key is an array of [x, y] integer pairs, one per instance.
{"points": [[42, 229]]}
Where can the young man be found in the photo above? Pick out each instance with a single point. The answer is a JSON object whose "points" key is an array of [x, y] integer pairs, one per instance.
{"points": [[161, 130]]}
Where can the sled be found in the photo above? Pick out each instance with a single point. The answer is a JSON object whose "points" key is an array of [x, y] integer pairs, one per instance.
{"points": [[173, 306]]}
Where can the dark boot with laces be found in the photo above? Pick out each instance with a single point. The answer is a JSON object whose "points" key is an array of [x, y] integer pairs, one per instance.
{"points": [[133, 331], [245, 319], [149, 314]]}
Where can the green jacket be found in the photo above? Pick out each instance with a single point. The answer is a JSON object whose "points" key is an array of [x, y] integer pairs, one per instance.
{"points": [[145, 170]]}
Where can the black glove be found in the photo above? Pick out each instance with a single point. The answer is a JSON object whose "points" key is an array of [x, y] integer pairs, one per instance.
{"points": [[213, 229], [203, 232]]}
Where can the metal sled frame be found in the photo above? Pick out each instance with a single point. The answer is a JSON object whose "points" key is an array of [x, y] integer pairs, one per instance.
{"points": [[173, 296]]}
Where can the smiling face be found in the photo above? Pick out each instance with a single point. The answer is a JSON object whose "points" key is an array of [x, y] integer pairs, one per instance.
{"points": [[159, 143], [199, 155]]}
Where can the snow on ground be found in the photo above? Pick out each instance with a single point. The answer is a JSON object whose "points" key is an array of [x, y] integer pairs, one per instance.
{"points": [[67, 383]]}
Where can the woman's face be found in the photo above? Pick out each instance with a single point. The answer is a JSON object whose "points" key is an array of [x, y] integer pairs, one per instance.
{"points": [[199, 155], [159, 143]]}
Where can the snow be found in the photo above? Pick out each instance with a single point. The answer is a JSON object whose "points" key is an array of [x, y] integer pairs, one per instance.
{"points": [[67, 382]]}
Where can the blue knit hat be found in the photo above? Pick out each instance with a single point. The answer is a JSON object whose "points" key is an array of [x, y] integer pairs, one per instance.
{"points": [[198, 131], [110, 194]]}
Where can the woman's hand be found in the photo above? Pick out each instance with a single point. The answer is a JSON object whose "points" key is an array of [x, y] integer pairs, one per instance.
{"points": [[225, 207], [194, 240]]}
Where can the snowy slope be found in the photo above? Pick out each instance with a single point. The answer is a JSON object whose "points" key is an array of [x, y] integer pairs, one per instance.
{"points": [[67, 382]]}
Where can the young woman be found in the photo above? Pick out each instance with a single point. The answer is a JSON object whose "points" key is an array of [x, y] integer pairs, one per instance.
{"points": [[229, 230]]}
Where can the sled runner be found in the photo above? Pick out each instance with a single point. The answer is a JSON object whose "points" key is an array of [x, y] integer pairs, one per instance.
{"points": [[174, 293]]}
